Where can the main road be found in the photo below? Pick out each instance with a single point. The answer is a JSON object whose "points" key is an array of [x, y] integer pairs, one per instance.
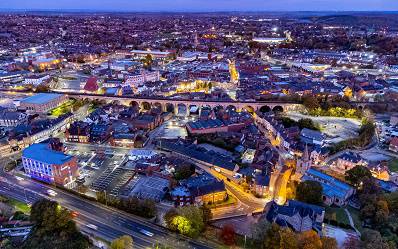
{"points": [[110, 223]]}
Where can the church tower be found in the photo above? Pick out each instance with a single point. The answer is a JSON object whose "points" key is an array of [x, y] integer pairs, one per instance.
{"points": [[304, 163], [234, 74]]}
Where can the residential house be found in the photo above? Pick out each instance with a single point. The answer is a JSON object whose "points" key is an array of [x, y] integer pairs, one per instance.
{"points": [[298, 216]]}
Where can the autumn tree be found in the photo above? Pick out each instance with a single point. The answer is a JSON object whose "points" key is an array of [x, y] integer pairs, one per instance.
{"points": [[228, 235], [123, 242], [309, 240], [372, 239], [329, 243], [310, 102]]}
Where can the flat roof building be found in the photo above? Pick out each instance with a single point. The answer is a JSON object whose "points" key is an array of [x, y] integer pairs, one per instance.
{"points": [[42, 102], [43, 163]]}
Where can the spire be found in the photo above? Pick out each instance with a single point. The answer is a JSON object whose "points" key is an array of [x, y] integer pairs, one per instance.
{"points": [[306, 156]]}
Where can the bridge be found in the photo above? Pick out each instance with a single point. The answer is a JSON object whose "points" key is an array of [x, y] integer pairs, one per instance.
{"points": [[168, 104]]}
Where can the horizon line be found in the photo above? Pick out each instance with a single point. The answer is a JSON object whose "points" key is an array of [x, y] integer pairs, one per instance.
{"points": [[4, 10]]}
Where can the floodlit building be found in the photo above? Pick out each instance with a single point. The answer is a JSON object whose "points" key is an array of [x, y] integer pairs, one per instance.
{"points": [[42, 162], [334, 191], [42, 102]]}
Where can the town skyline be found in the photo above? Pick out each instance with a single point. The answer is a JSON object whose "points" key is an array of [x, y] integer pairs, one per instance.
{"points": [[203, 6]]}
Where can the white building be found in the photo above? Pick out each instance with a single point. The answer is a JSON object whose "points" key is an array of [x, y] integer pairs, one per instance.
{"points": [[139, 79], [36, 79]]}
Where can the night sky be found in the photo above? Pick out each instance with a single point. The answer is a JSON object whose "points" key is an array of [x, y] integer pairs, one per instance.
{"points": [[202, 5]]}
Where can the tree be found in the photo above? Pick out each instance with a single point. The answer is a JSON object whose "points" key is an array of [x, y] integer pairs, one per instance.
{"points": [[280, 238], [206, 213], [184, 171], [272, 237], [53, 228], [309, 240], [371, 239], [392, 200], [309, 192], [259, 230], [374, 206], [357, 174], [329, 243], [7, 244], [351, 243], [123, 242], [183, 225], [289, 239], [228, 235], [168, 218], [310, 102], [307, 123], [189, 220]]}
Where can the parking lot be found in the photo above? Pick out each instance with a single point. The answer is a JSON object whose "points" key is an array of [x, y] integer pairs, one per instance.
{"points": [[337, 129], [100, 169]]}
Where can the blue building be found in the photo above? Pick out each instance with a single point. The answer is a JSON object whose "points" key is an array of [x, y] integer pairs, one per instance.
{"points": [[334, 191], [42, 162]]}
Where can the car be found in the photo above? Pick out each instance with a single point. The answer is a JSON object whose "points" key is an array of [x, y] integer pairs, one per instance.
{"points": [[51, 192], [91, 226], [19, 178], [145, 232]]}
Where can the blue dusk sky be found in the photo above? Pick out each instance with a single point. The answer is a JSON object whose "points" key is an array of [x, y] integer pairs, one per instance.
{"points": [[202, 5]]}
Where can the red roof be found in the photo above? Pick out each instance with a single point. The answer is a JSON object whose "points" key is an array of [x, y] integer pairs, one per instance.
{"points": [[91, 84]]}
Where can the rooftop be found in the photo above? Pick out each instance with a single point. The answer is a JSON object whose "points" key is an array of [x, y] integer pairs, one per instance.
{"points": [[41, 98], [41, 152]]}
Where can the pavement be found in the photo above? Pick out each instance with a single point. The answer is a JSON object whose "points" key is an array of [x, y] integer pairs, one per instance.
{"points": [[111, 223]]}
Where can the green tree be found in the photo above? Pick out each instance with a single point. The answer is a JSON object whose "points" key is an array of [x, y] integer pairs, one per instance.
{"points": [[184, 171], [7, 244], [258, 230], [206, 213], [123, 242], [392, 200], [53, 228], [309, 192], [280, 238], [357, 174], [168, 218], [374, 207], [188, 220], [308, 123]]}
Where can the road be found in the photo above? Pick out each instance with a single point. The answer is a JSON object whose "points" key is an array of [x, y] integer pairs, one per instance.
{"points": [[247, 203], [111, 223]]}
